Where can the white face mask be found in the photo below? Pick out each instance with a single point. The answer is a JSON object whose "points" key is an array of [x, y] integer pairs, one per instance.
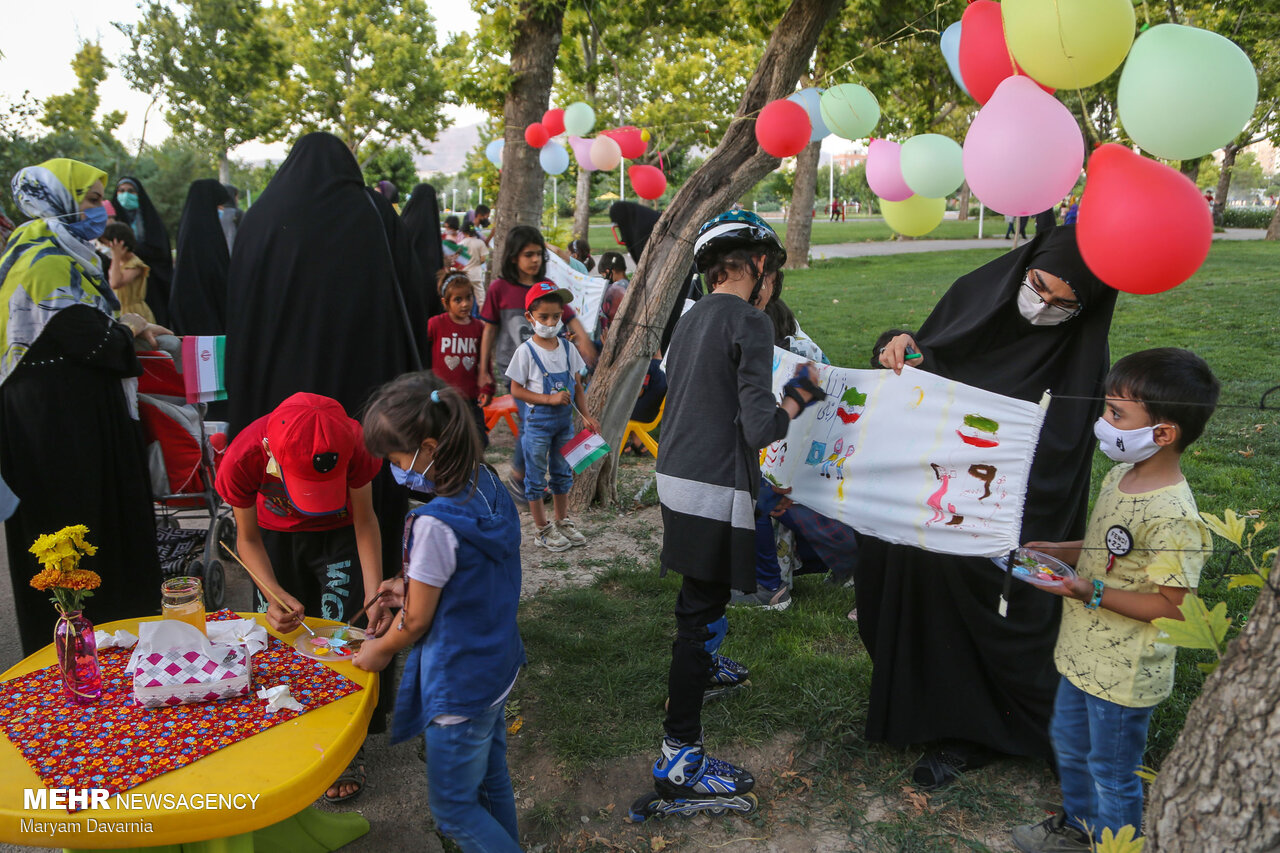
{"points": [[1036, 311], [547, 332], [1126, 445]]}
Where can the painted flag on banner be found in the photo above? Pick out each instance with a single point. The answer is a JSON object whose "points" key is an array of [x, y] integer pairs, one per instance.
{"points": [[203, 367], [584, 449], [456, 254]]}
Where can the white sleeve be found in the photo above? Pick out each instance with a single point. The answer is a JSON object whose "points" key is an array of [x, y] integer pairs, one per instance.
{"points": [[576, 364], [433, 557], [521, 364]]}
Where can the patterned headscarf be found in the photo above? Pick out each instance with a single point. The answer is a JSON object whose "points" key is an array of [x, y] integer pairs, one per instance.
{"points": [[52, 191]]}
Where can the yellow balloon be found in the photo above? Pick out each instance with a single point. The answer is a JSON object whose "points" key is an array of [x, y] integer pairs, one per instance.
{"points": [[1068, 44], [914, 216]]}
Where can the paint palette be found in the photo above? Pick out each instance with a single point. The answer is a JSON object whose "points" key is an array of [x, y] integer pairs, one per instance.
{"points": [[331, 643], [1036, 568]]}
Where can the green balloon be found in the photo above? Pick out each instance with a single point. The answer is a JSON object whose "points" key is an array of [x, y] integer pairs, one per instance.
{"points": [[932, 165], [850, 110], [1185, 92], [579, 118]]}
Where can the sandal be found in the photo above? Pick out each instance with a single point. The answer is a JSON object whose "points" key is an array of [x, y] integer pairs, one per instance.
{"points": [[353, 775]]}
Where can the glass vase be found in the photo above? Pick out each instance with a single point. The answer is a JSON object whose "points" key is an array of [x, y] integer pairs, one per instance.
{"points": [[78, 658]]}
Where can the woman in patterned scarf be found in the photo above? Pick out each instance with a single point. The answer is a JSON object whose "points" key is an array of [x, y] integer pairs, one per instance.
{"points": [[69, 447]]}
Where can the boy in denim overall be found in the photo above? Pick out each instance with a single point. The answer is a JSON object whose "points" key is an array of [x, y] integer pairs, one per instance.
{"points": [[548, 363]]}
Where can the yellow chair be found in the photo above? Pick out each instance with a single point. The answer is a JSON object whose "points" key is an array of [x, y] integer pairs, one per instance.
{"points": [[642, 431]]}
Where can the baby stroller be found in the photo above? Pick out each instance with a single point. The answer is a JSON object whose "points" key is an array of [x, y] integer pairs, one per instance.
{"points": [[183, 459]]}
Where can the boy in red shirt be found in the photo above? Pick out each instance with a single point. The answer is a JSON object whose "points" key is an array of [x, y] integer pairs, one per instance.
{"points": [[453, 339], [298, 481]]}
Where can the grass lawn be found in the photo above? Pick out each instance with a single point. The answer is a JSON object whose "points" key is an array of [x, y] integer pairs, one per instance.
{"points": [[595, 683]]}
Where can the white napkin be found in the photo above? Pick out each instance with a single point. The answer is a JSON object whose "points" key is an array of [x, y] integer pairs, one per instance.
{"points": [[278, 699], [121, 639], [167, 634], [239, 632]]}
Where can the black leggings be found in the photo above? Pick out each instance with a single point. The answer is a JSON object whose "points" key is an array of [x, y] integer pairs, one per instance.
{"points": [[700, 628]]}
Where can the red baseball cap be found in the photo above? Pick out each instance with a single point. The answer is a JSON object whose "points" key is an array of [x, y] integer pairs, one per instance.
{"points": [[546, 288], [313, 440]]}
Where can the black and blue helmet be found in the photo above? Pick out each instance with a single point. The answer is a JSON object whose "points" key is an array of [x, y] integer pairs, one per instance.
{"points": [[735, 229]]}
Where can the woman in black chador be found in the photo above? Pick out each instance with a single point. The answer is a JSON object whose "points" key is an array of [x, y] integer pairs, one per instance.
{"points": [[949, 670], [420, 221], [198, 300], [134, 207]]}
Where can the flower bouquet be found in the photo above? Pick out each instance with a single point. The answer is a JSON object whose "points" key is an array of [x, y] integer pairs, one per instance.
{"points": [[59, 554]]}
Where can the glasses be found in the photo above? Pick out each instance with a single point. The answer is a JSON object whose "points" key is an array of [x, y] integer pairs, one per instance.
{"points": [[1042, 295]]}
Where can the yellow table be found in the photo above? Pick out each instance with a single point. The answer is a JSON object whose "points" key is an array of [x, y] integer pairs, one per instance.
{"points": [[288, 766]]}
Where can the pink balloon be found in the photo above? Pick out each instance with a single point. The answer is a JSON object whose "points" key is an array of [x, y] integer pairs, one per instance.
{"points": [[582, 153], [1023, 151], [884, 171]]}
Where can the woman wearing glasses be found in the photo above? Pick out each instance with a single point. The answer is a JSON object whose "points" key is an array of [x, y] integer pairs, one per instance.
{"points": [[949, 670]]}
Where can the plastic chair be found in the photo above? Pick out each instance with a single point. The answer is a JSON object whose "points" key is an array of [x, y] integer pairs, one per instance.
{"points": [[643, 431], [502, 409]]}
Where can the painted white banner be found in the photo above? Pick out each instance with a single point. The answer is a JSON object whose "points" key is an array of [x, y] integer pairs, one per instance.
{"points": [[587, 289], [913, 459]]}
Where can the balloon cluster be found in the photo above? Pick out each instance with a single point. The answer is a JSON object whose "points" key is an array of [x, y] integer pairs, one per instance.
{"points": [[1143, 227], [603, 153]]}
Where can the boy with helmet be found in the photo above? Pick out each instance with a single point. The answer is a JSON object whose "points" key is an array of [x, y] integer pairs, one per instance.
{"points": [[720, 413]]}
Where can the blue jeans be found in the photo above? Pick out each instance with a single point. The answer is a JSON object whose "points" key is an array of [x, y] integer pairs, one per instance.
{"points": [[517, 454], [1099, 746], [542, 460], [468, 786]]}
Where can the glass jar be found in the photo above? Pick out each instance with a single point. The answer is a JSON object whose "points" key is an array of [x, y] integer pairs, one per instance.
{"points": [[183, 599]]}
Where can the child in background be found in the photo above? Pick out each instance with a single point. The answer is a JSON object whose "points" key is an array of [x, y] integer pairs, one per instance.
{"points": [[458, 600], [453, 339], [1142, 551], [128, 274], [477, 253], [546, 375]]}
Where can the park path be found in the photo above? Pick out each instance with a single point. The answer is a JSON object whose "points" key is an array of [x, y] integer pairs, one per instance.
{"points": [[872, 248]]}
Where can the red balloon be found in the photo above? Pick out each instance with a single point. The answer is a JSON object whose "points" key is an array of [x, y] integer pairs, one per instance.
{"points": [[647, 181], [536, 135], [553, 121], [1143, 226], [629, 140], [783, 128], [985, 59]]}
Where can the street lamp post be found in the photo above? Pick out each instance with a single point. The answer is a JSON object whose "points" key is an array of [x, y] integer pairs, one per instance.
{"points": [[454, 206]]}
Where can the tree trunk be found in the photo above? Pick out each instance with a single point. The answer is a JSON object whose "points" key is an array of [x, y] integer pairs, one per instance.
{"points": [[1273, 230], [1220, 787], [1191, 168], [1224, 182], [963, 209], [224, 167], [582, 204], [533, 62], [737, 164], [800, 219]]}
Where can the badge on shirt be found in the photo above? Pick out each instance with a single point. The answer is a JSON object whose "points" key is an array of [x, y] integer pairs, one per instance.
{"points": [[1119, 543]]}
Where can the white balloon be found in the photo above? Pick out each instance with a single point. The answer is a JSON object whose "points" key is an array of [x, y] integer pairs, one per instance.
{"points": [[606, 154]]}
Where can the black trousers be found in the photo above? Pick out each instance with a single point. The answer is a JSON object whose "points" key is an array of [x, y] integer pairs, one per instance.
{"points": [[700, 627]]}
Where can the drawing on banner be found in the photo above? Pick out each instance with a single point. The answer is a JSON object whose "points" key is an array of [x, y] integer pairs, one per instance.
{"points": [[913, 459], [587, 290]]}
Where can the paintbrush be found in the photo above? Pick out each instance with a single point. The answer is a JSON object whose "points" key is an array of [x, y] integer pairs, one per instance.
{"points": [[261, 585], [361, 611]]}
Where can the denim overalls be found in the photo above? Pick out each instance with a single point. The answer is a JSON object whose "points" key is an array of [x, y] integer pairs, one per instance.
{"points": [[546, 430]]}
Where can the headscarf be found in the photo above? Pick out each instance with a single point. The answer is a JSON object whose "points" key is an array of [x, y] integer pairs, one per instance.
{"points": [[316, 295], [421, 223], [389, 191], [45, 268], [153, 245], [198, 301], [975, 335]]}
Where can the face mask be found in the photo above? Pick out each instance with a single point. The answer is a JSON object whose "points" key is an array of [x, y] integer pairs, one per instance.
{"points": [[128, 200], [414, 480], [547, 332], [1036, 311], [1126, 445], [91, 227]]}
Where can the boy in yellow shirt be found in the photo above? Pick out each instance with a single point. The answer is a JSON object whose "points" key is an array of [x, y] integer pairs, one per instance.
{"points": [[1142, 551]]}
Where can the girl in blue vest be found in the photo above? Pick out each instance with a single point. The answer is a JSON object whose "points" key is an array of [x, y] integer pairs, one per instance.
{"points": [[457, 602]]}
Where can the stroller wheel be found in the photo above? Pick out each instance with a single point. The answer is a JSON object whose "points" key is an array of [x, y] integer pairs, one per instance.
{"points": [[225, 532], [215, 586]]}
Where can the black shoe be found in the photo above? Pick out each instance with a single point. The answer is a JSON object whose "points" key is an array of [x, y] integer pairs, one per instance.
{"points": [[1052, 835], [945, 764]]}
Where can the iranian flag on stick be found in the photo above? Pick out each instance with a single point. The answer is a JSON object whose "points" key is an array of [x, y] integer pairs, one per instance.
{"points": [[584, 449], [203, 367]]}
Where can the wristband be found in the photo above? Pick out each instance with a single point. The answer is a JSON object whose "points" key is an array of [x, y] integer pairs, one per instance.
{"points": [[1096, 600], [791, 392], [802, 383]]}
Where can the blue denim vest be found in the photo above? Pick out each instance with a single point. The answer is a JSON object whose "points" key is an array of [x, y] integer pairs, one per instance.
{"points": [[552, 417], [472, 651]]}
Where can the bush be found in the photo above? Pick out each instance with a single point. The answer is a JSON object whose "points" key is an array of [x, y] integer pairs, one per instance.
{"points": [[1247, 217]]}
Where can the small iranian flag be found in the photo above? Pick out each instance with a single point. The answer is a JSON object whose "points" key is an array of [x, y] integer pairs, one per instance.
{"points": [[584, 449], [203, 367]]}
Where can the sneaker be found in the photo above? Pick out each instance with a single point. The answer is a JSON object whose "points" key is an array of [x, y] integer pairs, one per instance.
{"points": [[1051, 835], [548, 537], [764, 598], [684, 770], [569, 530]]}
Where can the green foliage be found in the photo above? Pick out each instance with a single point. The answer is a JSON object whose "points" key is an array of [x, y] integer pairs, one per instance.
{"points": [[75, 111], [217, 64], [1247, 217], [1120, 842], [1199, 627], [393, 164], [364, 70]]}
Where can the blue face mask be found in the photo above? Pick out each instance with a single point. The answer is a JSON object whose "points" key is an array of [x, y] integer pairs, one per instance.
{"points": [[414, 480], [90, 228], [128, 200]]}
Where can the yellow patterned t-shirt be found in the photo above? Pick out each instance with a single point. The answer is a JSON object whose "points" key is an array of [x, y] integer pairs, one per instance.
{"points": [[1149, 540]]}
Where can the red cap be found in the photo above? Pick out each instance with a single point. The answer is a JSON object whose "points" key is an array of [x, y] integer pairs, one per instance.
{"points": [[313, 440], [547, 288]]}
